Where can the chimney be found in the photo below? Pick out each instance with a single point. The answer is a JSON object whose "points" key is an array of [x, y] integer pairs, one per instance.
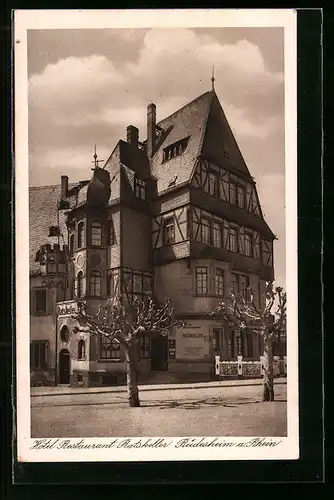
{"points": [[132, 135], [64, 186], [151, 129]]}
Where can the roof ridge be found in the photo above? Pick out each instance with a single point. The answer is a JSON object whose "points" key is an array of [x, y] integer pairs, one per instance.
{"points": [[53, 185], [188, 104]]}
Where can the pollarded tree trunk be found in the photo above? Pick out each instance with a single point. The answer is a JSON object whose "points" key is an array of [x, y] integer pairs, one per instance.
{"points": [[131, 374], [268, 376]]}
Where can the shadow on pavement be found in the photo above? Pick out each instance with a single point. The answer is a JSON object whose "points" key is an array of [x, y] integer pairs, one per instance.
{"points": [[197, 404]]}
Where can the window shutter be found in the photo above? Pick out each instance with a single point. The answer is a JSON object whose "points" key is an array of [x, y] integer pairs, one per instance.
{"points": [[224, 191]]}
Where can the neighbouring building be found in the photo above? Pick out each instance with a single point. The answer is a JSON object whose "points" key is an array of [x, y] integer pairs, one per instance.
{"points": [[178, 215]]}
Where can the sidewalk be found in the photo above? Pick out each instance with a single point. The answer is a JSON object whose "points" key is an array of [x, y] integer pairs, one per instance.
{"points": [[67, 391]]}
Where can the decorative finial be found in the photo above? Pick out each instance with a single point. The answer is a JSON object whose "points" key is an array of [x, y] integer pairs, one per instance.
{"points": [[213, 77], [95, 161]]}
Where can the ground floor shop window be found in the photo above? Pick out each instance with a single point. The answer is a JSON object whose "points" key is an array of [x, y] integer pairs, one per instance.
{"points": [[144, 347], [109, 349], [246, 344], [217, 338]]}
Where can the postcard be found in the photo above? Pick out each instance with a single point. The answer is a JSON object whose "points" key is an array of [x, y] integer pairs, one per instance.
{"points": [[156, 235]]}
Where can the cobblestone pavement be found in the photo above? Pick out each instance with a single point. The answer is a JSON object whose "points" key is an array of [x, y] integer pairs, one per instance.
{"points": [[200, 411]]}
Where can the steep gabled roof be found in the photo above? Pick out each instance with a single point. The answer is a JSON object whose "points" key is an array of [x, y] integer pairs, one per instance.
{"points": [[189, 121], [219, 144]]}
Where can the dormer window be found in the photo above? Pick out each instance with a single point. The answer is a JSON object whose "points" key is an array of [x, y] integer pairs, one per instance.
{"points": [[175, 149], [140, 189]]}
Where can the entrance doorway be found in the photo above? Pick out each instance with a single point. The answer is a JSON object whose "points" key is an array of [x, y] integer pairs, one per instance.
{"points": [[159, 354], [64, 367]]}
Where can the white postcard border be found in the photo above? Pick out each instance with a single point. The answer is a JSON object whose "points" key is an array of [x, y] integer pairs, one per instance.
{"points": [[288, 447]]}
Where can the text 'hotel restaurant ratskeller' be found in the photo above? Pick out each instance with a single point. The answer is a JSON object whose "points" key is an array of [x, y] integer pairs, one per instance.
{"points": [[177, 215]]}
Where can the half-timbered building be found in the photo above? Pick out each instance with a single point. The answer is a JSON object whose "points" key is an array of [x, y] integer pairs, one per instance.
{"points": [[176, 214]]}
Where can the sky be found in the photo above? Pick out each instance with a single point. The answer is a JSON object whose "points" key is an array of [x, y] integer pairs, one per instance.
{"points": [[86, 85]]}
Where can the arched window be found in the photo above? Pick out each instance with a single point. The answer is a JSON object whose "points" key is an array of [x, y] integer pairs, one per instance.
{"points": [[80, 289], [64, 334], [72, 243], [96, 233], [81, 349], [81, 234], [95, 284]]}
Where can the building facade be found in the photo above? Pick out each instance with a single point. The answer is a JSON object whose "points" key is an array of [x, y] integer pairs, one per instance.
{"points": [[178, 215]]}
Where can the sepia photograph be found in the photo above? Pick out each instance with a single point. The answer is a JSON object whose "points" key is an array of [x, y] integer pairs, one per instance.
{"points": [[158, 206]]}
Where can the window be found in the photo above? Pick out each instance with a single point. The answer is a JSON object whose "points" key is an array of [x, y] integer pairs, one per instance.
{"points": [[64, 334], [112, 282], [241, 196], [95, 284], [248, 240], [243, 285], [40, 301], [38, 355], [144, 347], [233, 193], [219, 282], [233, 240], [96, 236], [212, 184], [259, 293], [81, 234], [140, 189], [239, 284], [217, 234], [136, 284], [80, 285], [111, 233], [205, 230], [234, 283], [169, 232], [175, 149], [216, 339], [110, 349], [81, 349], [52, 267], [201, 280], [246, 344]]}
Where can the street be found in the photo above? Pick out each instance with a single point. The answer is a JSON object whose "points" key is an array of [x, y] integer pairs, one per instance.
{"points": [[198, 411]]}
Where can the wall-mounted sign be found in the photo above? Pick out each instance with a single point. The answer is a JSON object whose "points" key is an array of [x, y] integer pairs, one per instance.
{"points": [[67, 309], [192, 345]]}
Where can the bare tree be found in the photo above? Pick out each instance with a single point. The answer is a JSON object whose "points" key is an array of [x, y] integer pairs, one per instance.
{"points": [[125, 325], [269, 321]]}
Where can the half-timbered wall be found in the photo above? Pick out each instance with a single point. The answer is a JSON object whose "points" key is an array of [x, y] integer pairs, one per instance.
{"points": [[212, 230], [162, 232], [227, 186], [267, 253]]}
